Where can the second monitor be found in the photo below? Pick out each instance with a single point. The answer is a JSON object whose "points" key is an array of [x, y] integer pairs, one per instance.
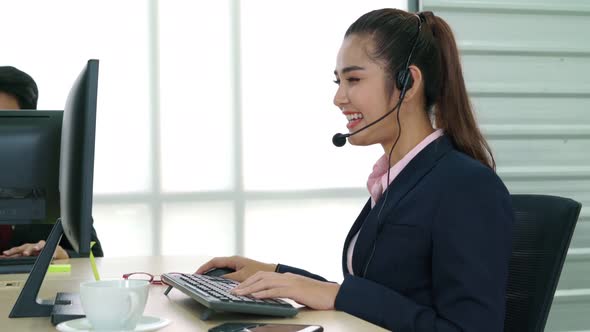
{"points": [[75, 184]]}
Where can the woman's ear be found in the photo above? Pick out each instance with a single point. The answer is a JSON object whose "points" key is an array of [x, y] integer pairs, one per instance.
{"points": [[411, 91]]}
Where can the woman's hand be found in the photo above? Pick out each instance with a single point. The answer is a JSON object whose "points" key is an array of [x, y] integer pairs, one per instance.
{"points": [[244, 267], [310, 292], [33, 249]]}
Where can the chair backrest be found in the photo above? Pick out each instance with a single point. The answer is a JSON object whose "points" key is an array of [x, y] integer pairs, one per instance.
{"points": [[542, 234]]}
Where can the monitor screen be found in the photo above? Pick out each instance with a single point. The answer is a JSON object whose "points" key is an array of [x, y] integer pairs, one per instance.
{"points": [[29, 171]]}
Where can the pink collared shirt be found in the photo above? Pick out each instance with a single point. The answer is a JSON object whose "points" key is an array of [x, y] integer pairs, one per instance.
{"points": [[377, 182]]}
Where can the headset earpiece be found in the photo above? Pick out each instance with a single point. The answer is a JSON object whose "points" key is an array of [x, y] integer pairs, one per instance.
{"points": [[401, 78]]}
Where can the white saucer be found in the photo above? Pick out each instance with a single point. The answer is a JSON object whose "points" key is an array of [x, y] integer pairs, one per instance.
{"points": [[146, 323]]}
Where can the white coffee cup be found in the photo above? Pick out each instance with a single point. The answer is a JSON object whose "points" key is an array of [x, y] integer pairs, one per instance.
{"points": [[114, 304]]}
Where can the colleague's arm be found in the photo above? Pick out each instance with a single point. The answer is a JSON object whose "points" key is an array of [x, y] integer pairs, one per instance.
{"points": [[33, 249], [29, 240], [471, 239]]}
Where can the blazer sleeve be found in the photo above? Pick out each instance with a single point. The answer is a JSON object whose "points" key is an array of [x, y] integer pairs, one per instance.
{"points": [[281, 268], [471, 245]]}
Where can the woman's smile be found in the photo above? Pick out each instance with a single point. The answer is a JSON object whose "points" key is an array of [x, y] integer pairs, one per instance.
{"points": [[354, 119]]}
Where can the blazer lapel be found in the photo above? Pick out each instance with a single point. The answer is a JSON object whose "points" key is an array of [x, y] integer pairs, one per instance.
{"points": [[401, 185], [355, 228]]}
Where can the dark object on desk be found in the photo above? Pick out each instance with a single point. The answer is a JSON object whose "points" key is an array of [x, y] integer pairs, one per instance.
{"points": [[76, 170], [67, 306], [214, 294], [265, 327], [219, 272], [542, 234], [17, 264]]}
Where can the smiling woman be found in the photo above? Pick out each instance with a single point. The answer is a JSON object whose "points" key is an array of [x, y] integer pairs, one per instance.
{"points": [[438, 223]]}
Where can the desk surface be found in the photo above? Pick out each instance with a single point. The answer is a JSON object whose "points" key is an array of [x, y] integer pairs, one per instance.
{"points": [[177, 307]]}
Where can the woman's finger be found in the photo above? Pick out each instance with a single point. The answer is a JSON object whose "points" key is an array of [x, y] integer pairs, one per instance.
{"points": [[251, 280], [267, 281], [271, 293], [16, 250], [28, 251], [39, 245]]}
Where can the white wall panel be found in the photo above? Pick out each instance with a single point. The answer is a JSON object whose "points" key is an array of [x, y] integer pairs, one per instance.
{"points": [[527, 65]]}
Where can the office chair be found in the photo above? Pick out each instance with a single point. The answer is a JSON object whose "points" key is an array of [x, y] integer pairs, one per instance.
{"points": [[541, 237]]}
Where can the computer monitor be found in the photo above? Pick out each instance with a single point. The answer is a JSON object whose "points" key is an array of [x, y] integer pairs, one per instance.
{"points": [[75, 183], [76, 171], [29, 146]]}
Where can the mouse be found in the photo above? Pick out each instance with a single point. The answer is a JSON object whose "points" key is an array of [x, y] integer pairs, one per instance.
{"points": [[218, 272]]}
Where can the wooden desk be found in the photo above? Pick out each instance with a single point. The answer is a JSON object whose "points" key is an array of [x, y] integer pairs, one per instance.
{"points": [[179, 308]]}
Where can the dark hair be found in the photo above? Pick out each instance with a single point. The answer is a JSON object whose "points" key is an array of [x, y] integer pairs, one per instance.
{"points": [[20, 85], [393, 33]]}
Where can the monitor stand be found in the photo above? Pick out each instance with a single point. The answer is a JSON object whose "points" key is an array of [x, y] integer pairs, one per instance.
{"points": [[66, 306]]}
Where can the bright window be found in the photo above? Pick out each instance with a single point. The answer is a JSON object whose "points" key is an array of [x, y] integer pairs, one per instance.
{"points": [[214, 121]]}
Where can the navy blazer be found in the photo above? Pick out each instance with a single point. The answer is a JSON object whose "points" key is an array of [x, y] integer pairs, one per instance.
{"points": [[440, 245]]}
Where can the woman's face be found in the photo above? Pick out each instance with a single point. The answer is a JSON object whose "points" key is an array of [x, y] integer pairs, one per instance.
{"points": [[8, 102], [362, 95]]}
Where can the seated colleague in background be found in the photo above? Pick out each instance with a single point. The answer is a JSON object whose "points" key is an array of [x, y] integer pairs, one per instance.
{"points": [[18, 90], [430, 249]]}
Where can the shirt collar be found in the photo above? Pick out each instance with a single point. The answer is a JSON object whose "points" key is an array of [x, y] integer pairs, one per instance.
{"points": [[377, 182]]}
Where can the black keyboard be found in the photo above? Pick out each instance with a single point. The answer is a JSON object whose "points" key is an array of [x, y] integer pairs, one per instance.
{"points": [[214, 293], [18, 260], [17, 264]]}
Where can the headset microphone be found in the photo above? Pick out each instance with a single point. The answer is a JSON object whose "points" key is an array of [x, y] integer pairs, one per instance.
{"points": [[339, 139]]}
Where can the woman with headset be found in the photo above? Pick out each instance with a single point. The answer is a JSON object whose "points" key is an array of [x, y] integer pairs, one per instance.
{"points": [[430, 249]]}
